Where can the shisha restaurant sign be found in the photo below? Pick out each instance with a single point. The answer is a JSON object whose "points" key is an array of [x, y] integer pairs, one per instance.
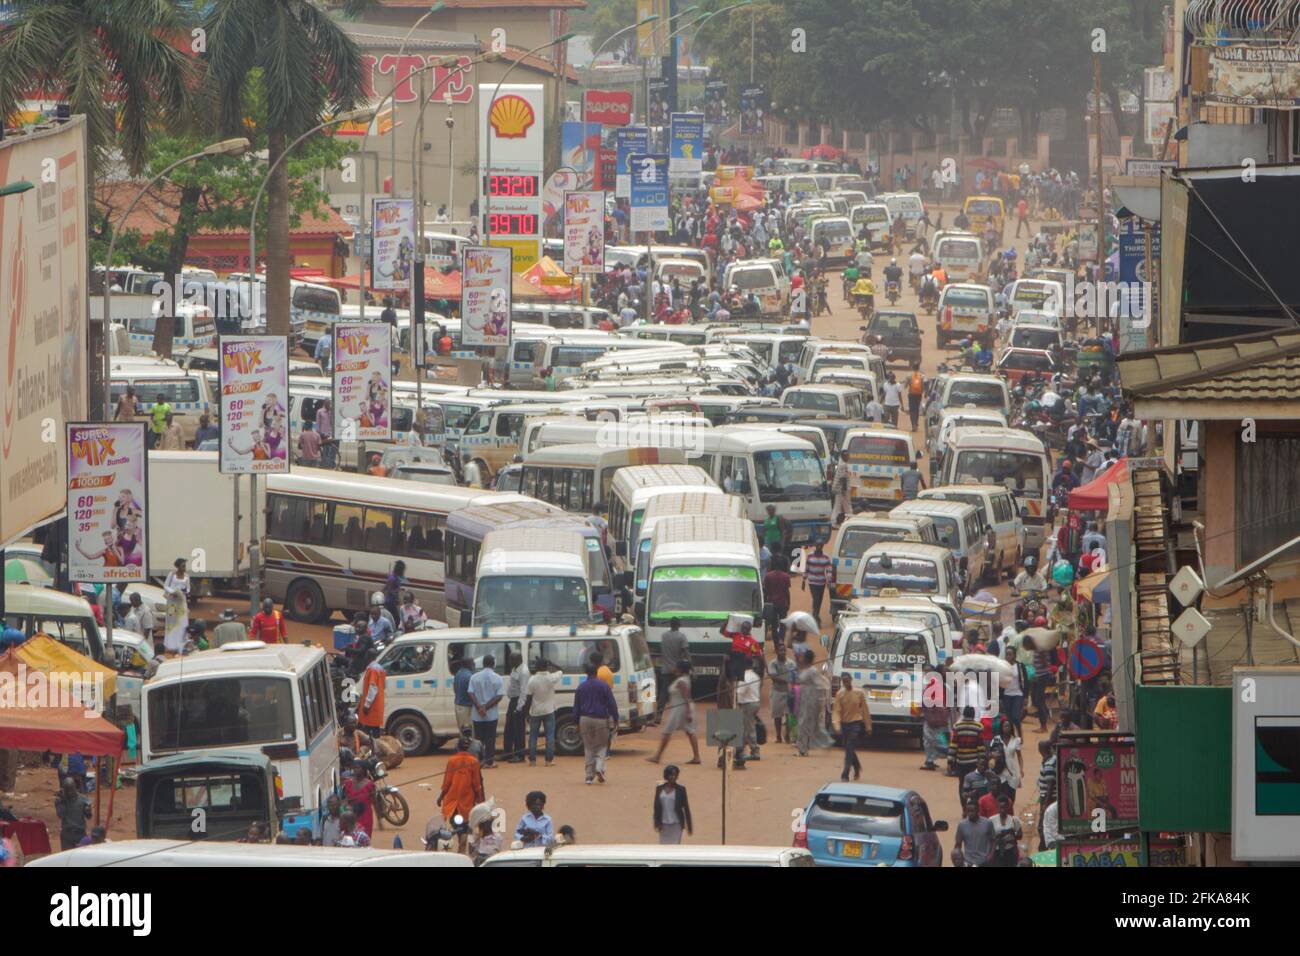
{"points": [[1258, 77]]}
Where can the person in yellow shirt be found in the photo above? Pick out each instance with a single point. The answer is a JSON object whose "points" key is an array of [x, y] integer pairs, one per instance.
{"points": [[850, 718], [864, 294], [1104, 715]]}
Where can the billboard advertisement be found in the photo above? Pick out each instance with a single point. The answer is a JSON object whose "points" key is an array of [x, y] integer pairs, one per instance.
{"points": [[43, 315], [254, 373], [663, 97], [609, 107], [108, 534], [485, 282], [584, 232], [363, 381], [580, 153], [715, 101], [1255, 76], [686, 146], [1096, 777], [628, 140], [753, 107], [1266, 763], [649, 192], [393, 244]]}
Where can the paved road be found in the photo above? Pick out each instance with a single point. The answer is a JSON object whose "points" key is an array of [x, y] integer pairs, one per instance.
{"points": [[761, 800]]}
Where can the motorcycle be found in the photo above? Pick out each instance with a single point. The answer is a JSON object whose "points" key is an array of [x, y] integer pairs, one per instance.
{"points": [[390, 805], [893, 289], [439, 837], [864, 306], [929, 299]]}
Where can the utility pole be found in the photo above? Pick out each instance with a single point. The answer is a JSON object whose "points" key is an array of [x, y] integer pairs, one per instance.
{"points": [[1101, 189]]}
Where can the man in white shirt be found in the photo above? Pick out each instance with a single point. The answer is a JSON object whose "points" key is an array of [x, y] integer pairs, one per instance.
{"points": [[874, 411], [916, 265], [748, 692], [893, 392], [540, 709]]}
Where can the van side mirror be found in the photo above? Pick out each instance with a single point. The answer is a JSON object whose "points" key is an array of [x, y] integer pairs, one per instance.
{"points": [[620, 548]]}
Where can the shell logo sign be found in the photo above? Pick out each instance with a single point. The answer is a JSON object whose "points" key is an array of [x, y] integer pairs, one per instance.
{"points": [[511, 116]]}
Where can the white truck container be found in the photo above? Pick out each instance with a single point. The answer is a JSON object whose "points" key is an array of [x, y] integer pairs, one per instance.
{"points": [[199, 514]]}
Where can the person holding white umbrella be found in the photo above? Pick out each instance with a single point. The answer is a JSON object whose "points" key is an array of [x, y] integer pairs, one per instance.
{"points": [[177, 622]]}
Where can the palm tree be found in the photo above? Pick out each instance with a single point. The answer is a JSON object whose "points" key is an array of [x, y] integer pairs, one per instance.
{"points": [[309, 67], [113, 60]]}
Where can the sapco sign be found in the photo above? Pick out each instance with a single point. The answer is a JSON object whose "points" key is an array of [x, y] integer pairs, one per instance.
{"points": [[609, 107]]}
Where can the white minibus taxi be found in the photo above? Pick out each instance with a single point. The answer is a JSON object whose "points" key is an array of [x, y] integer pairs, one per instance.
{"points": [[703, 571], [532, 575], [419, 698], [859, 532], [1004, 529], [1009, 458]]}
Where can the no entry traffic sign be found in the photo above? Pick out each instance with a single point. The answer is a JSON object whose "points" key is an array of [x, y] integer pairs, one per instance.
{"points": [[1085, 659]]}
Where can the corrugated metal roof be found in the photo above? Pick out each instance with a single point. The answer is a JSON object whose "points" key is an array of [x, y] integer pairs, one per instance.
{"points": [[1262, 367]]}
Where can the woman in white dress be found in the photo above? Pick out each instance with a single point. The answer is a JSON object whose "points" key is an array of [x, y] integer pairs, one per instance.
{"points": [[177, 589]]}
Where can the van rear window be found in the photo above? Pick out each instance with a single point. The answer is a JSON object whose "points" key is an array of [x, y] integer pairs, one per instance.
{"points": [[753, 279], [883, 649], [856, 541], [966, 298], [983, 207], [959, 249], [906, 574], [877, 448]]}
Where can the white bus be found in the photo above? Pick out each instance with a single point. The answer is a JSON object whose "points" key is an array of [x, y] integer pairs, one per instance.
{"points": [[275, 700], [532, 576], [703, 570], [1009, 458], [705, 501], [631, 490], [332, 538], [578, 478]]}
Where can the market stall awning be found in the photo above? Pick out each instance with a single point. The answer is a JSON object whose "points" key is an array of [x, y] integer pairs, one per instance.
{"points": [[45, 654], [1092, 496], [544, 279], [1095, 587], [60, 729]]}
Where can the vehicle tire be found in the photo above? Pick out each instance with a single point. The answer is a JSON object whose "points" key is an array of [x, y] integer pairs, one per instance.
{"points": [[412, 732], [396, 810], [568, 736], [305, 602]]}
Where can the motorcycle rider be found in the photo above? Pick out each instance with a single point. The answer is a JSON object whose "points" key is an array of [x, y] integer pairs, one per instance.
{"points": [[1029, 579], [1065, 480], [929, 289], [847, 280], [864, 294], [894, 274], [916, 267]]}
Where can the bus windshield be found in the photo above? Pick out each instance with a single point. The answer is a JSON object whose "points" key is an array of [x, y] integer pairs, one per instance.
{"points": [[790, 475], [703, 594], [221, 712], [530, 598], [1019, 471]]}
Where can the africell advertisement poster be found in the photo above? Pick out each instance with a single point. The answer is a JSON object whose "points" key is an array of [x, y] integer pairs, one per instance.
{"points": [[584, 232], [363, 381], [254, 374], [393, 248], [107, 494], [485, 296], [1097, 781]]}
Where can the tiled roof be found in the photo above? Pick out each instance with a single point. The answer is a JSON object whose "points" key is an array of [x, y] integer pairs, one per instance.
{"points": [[1263, 367], [157, 210]]}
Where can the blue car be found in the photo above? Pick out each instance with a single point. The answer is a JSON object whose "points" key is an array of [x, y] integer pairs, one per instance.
{"points": [[857, 824]]}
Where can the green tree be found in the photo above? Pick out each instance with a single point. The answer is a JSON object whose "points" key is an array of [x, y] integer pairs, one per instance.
{"points": [[124, 64], [216, 192], [310, 68]]}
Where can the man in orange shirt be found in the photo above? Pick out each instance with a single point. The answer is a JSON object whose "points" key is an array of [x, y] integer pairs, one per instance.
{"points": [[268, 625], [462, 785]]}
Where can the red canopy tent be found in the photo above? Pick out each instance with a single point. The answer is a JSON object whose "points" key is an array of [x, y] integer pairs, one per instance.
{"points": [[1092, 496], [822, 151]]}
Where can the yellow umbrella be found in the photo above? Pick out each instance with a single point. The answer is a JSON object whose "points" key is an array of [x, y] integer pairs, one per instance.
{"points": [[1093, 581]]}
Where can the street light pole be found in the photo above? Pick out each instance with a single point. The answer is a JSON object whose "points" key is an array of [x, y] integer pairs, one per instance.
{"points": [[226, 147], [254, 552], [586, 74], [401, 51]]}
